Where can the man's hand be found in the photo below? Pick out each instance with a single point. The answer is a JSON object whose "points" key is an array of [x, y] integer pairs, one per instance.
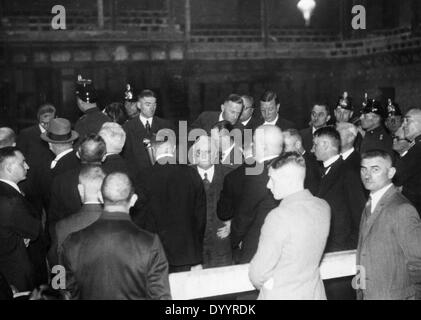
{"points": [[225, 231]]}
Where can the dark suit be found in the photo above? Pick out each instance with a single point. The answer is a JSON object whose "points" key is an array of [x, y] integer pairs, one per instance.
{"points": [[307, 138], [408, 174], [216, 252], [342, 189], [115, 163], [389, 249], [249, 209], [354, 161], [88, 214], [90, 122], [17, 222], [113, 259], [134, 151], [65, 199], [313, 173], [376, 139], [177, 203], [206, 120]]}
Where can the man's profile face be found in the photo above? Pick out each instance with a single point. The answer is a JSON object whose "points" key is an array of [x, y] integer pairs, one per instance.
{"points": [[247, 110], [147, 106], [278, 184], [342, 115], [412, 125], [319, 116], [393, 123], [45, 118], [376, 173], [319, 148], [231, 111], [19, 167], [400, 144], [269, 110]]}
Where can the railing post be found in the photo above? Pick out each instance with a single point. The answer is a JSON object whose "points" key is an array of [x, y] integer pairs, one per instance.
{"points": [[187, 21], [264, 22], [100, 10]]}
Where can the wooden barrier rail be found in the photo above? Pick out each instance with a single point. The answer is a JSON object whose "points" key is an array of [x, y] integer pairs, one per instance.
{"points": [[234, 279]]}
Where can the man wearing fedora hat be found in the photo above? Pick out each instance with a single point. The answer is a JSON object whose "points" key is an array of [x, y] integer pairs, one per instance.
{"points": [[372, 122], [93, 118]]}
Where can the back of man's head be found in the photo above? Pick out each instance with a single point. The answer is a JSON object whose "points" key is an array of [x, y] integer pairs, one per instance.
{"points": [[332, 135], [7, 137], [90, 182], [92, 150], [268, 142], [292, 141], [117, 191], [114, 137]]}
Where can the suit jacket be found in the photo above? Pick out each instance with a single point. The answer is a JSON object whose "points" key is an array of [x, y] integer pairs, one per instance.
{"points": [[113, 259], [90, 122], [291, 246], [17, 222], [134, 151], [217, 252], [248, 207], [176, 210], [313, 173], [389, 250], [354, 161], [88, 214], [65, 199], [115, 163], [307, 138], [342, 189], [206, 120], [378, 138], [408, 174]]}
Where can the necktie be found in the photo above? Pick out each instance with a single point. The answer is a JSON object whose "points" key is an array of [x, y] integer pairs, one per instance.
{"points": [[206, 182], [368, 207], [148, 127]]}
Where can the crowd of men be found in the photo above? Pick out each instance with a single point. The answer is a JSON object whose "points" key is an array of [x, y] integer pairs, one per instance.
{"points": [[114, 204]]}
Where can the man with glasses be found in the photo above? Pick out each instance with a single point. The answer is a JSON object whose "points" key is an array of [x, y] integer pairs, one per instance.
{"points": [[408, 166]]}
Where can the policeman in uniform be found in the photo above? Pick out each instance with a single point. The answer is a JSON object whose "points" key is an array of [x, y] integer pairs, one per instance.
{"points": [[93, 118], [130, 103], [394, 118], [376, 136]]}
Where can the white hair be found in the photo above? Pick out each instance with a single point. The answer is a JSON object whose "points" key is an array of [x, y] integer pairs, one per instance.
{"points": [[114, 136]]}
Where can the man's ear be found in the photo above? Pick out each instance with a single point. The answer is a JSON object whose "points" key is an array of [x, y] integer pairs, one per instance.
{"points": [[222, 107], [391, 173], [81, 190], [133, 200]]}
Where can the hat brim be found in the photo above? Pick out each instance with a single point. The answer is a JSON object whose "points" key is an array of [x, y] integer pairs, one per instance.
{"points": [[73, 137]]}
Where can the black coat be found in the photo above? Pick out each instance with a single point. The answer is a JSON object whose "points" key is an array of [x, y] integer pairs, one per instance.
{"points": [[307, 138], [313, 173], [113, 259], [354, 161], [248, 207], [206, 120], [343, 190], [408, 174], [177, 210], [115, 163], [134, 151], [377, 139], [17, 222], [217, 252]]}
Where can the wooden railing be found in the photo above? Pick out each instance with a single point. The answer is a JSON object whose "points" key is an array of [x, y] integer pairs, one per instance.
{"points": [[234, 279]]}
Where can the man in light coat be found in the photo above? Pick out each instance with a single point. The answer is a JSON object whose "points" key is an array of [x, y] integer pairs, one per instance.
{"points": [[293, 237]]}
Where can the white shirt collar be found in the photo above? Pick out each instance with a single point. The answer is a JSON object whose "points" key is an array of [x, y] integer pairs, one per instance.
{"points": [[12, 184], [346, 154], [266, 159], [210, 172], [164, 155], [330, 161], [376, 196], [313, 129], [143, 120], [245, 122], [272, 122], [221, 118], [42, 128]]}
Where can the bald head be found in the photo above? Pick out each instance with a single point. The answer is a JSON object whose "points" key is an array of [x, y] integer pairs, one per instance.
{"points": [[268, 142], [348, 133], [7, 137], [90, 181], [117, 190]]}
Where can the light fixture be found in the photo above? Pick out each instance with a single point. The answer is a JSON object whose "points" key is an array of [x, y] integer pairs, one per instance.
{"points": [[306, 7]]}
